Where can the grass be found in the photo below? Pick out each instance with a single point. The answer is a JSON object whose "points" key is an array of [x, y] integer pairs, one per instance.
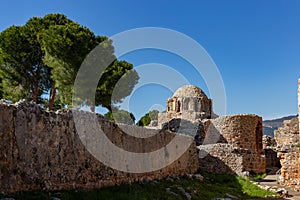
{"points": [[235, 185], [259, 176], [213, 186]]}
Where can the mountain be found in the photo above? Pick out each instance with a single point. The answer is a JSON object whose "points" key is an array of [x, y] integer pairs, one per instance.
{"points": [[270, 125]]}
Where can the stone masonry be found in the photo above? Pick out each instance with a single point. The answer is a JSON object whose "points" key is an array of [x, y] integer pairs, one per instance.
{"points": [[288, 150], [288, 134], [287, 139], [188, 102], [41, 150], [235, 143], [290, 170], [228, 144]]}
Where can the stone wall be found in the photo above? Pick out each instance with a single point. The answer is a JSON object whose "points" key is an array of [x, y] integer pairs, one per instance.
{"points": [[287, 139], [268, 142], [239, 147], [270, 151], [298, 104], [42, 150], [272, 160], [220, 158], [290, 170], [242, 131], [288, 134]]}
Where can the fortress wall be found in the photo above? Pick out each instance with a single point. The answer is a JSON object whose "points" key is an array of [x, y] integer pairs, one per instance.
{"points": [[41, 150]]}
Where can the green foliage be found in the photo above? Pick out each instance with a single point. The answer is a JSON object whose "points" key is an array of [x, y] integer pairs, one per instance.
{"points": [[46, 53], [1, 89], [22, 70], [146, 119], [24, 73], [153, 114], [252, 190], [117, 71], [258, 177], [214, 186], [65, 49], [121, 116], [298, 145], [219, 184]]}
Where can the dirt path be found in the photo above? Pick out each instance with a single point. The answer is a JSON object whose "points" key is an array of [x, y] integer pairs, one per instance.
{"points": [[270, 180]]}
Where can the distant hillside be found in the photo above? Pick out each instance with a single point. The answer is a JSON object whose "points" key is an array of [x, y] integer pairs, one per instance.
{"points": [[270, 125]]}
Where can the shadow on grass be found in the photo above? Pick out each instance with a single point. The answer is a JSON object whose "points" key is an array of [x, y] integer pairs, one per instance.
{"points": [[213, 186]]}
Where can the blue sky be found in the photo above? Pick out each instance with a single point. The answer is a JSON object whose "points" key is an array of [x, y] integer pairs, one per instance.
{"points": [[255, 44]]}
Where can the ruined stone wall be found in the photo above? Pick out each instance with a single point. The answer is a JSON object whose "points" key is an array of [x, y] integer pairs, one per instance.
{"points": [[272, 160], [220, 158], [290, 170], [242, 131], [253, 162], [268, 142], [287, 139], [299, 104], [239, 147], [288, 134], [224, 158], [42, 150]]}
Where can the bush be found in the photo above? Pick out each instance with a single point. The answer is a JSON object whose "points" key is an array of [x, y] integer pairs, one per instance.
{"points": [[121, 116], [147, 118]]}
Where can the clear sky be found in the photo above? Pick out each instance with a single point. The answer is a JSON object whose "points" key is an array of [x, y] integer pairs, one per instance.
{"points": [[255, 44]]}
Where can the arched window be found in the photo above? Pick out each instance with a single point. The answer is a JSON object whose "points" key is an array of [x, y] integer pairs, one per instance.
{"points": [[192, 105], [185, 105], [178, 106]]}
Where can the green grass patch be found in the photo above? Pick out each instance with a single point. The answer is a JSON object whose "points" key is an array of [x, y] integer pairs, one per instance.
{"points": [[259, 176], [252, 190], [213, 186]]}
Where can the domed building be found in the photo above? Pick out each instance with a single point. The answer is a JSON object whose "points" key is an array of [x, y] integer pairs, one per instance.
{"points": [[188, 102], [234, 140]]}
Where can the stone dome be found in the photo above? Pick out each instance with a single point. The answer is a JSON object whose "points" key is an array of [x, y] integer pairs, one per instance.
{"points": [[189, 91]]}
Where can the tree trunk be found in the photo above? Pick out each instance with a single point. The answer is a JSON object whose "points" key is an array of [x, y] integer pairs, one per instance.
{"points": [[35, 95], [52, 96], [35, 90], [92, 107]]}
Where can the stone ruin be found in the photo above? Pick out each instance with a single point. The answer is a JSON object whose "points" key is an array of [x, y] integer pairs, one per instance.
{"points": [[283, 154], [227, 144], [285, 149], [41, 150], [188, 102]]}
